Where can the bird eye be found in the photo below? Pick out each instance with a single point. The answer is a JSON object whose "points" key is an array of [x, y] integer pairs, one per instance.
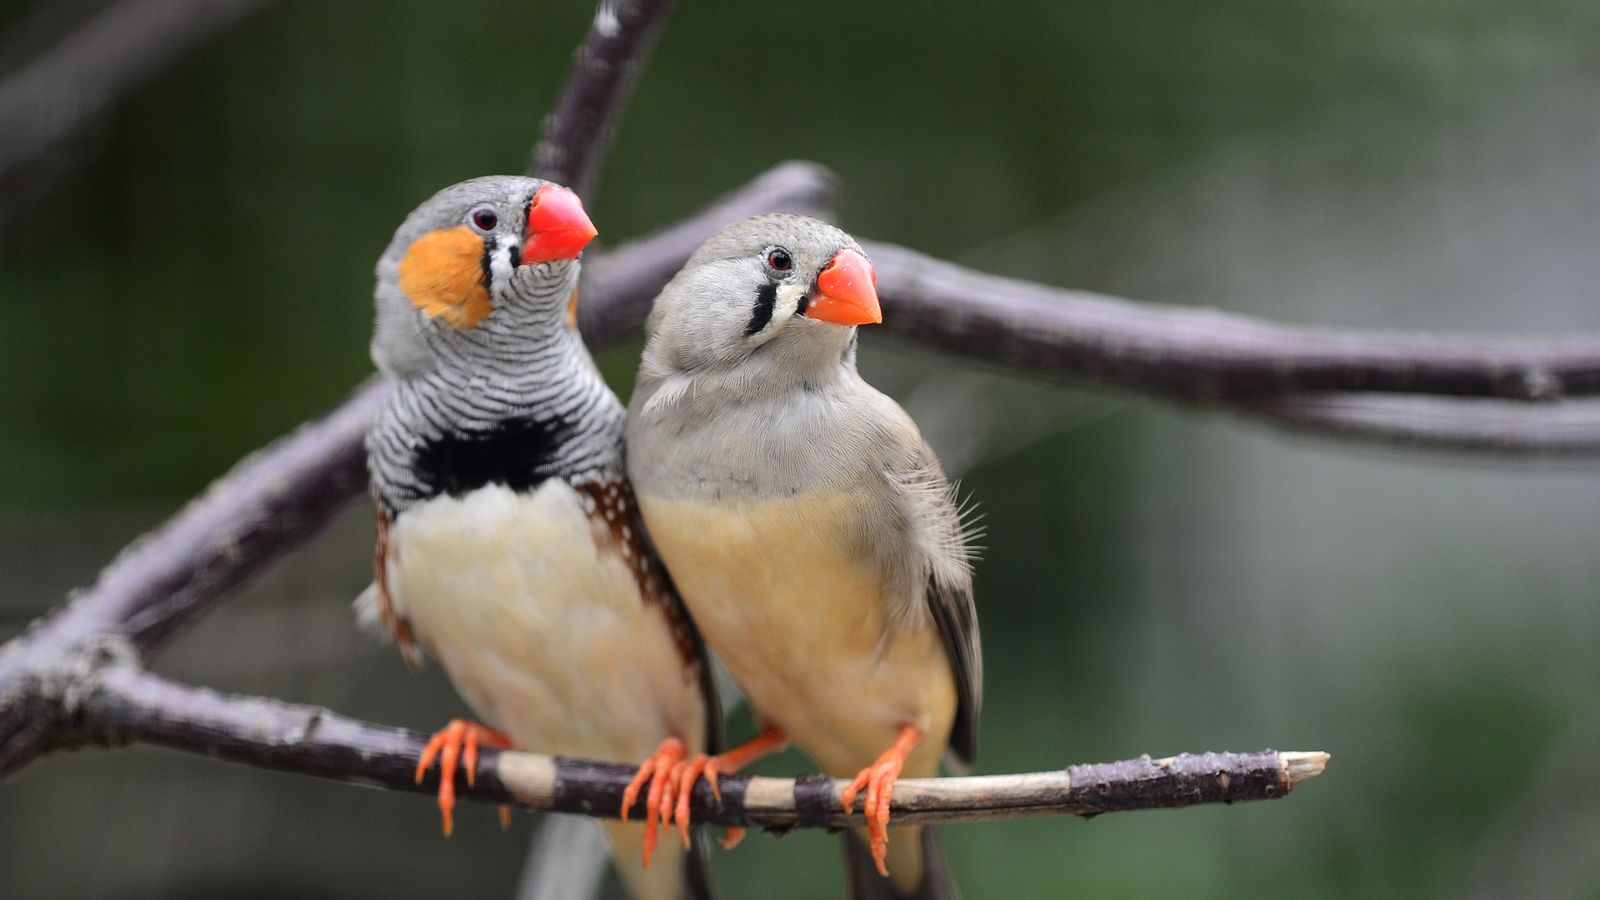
{"points": [[779, 260], [483, 218]]}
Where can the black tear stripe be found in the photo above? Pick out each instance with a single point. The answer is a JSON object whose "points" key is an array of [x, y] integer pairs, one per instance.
{"points": [[518, 453], [766, 299], [488, 259]]}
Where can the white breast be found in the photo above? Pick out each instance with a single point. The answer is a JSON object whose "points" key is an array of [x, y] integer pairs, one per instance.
{"points": [[540, 625]]}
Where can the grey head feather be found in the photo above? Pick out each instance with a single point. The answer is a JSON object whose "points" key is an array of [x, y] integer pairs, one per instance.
{"points": [[710, 316], [402, 332]]}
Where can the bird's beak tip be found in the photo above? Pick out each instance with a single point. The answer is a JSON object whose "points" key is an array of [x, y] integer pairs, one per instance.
{"points": [[847, 292], [558, 227]]}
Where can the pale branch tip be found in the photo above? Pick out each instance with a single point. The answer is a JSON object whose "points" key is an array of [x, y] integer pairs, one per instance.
{"points": [[580, 127], [115, 704], [1300, 766]]}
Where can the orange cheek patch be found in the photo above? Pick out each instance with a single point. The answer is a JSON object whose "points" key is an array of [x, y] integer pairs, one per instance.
{"points": [[442, 274]]}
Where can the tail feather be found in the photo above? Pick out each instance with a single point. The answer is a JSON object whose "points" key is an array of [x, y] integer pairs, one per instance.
{"points": [[935, 881]]}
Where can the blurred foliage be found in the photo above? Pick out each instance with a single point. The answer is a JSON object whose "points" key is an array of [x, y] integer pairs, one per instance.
{"points": [[193, 277]]}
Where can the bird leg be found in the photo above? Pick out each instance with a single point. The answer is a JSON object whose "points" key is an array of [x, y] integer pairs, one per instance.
{"points": [[687, 772], [459, 741], [879, 779]]}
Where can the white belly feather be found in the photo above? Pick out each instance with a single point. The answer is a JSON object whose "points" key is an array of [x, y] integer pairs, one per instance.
{"points": [[541, 628]]}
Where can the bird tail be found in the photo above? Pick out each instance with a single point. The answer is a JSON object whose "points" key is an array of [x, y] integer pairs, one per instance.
{"points": [[917, 867]]}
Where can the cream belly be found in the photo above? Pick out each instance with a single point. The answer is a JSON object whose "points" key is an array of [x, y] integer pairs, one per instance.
{"points": [[541, 628], [800, 626]]}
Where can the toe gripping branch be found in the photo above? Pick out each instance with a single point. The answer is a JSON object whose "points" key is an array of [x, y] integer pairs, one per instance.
{"points": [[456, 743], [879, 779], [672, 778]]}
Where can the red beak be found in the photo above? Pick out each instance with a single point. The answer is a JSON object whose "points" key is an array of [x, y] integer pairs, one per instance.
{"points": [[847, 292], [558, 228]]}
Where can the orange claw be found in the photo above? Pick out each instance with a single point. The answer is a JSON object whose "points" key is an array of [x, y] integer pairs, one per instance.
{"points": [[457, 742], [672, 779], [668, 754], [879, 779], [711, 767]]}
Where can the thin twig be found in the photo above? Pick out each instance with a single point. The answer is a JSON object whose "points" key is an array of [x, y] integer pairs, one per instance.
{"points": [[123, 704], [119, 49], [578, 132]]}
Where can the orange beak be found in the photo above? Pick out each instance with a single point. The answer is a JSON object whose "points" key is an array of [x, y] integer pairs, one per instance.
{"points": [[558, 228], [847, 292]]}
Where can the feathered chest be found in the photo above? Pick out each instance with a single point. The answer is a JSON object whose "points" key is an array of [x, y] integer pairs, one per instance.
{"points": [[438, 437]]}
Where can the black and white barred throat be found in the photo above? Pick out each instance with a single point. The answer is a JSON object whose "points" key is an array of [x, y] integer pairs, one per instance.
{"points": [[513, 401]]}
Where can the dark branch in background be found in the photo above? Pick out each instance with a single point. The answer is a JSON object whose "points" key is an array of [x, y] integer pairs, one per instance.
{"points": [[53, 96], [1483, 427], [1276, 372], [116, 704], [1206, 355], [578, 132]]}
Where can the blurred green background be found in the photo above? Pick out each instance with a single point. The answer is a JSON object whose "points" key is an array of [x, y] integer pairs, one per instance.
{"points": [[191, 277]]}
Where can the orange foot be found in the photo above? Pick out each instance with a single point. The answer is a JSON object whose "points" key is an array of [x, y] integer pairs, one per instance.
{"points": [[685, 774], [658, 803], [672, 779], [459, 741], [879, 779]]}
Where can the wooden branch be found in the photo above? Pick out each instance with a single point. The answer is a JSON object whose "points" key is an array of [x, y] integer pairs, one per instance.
{"points": [[49, 99], [115, 704], [1207, 356], [578, 132], [1414, 391]]}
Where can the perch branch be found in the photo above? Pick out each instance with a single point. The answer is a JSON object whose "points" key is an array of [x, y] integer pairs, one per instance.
{"points": [[578, 132], [119, 704], [50, 98]]}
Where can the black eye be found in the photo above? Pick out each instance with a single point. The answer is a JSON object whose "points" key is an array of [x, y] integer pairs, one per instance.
{"points": [[779, 260], [484, 218]]}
